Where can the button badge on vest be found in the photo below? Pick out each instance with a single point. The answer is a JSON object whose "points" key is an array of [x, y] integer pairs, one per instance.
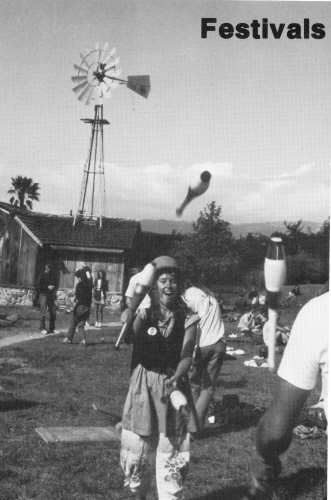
{"points": [[152, 330]]}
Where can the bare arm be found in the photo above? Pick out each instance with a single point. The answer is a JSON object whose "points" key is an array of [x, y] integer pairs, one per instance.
{"points": [[274, 432], [187, 353], [135, 324]]}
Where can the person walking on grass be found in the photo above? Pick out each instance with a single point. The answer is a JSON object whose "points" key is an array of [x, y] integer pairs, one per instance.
{"points": [[100, 290], [306, 354], [46, 287], [210, 348], [163, 338], [83, 298]]}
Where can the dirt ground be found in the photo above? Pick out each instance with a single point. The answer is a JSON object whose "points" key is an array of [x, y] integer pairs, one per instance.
{"points": [[27, 328]]}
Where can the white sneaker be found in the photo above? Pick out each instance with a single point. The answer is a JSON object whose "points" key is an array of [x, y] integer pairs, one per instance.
{"points": [[83, 342], [87, 323], [43, 331], [55, 331], [96, 324], [99, 325]]}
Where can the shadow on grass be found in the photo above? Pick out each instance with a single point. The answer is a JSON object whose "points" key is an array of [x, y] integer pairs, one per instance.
{"points": [[303, 481], [293, 486], [218, 431], [235, 384], [230, 493], [17, 404]]}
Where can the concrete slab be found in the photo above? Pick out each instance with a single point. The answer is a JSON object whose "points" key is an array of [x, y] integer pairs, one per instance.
{"points": [[78, 434], [22, 337]]}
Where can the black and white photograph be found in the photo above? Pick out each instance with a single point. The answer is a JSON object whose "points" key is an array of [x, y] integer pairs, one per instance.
{"points": [[164, 249]]}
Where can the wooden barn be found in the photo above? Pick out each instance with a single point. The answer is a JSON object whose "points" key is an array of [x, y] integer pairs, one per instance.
{"points": [[29, 239]]}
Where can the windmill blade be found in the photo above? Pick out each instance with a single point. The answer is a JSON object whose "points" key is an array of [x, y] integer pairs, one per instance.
{"points": [[140, 84], [81, 87], [84, 61], [112, 64], [105, 90], [109, 56], [105, 47], [80, 69], [92, 95], [78, 79], [102, 52], [95, 52], [84, 94], [114, 83]]}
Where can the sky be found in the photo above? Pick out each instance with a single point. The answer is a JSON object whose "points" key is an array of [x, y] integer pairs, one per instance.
{"points": [[256, 113]]}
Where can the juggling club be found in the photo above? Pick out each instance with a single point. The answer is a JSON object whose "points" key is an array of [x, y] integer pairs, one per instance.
{"points": [[275, 276], [141, 290], [197, 187]]}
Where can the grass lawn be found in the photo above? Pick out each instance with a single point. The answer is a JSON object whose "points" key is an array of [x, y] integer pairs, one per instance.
{"points": [[47, 383]]}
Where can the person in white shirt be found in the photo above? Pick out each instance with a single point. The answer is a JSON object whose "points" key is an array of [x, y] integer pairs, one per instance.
{"points": [[246, 323], [130, 290], [210, 350], [306, 354]]}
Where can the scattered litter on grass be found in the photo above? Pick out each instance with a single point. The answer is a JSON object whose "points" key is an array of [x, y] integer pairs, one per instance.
{"points": [[264, 365], [251, 363], [239, 352], [258, 357], [303, 432]]}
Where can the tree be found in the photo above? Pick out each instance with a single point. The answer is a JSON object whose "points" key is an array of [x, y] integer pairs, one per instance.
{"points": [[207, 253], [251, 251], [25, 190]]}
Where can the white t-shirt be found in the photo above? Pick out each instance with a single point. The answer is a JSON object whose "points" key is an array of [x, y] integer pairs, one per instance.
{"points": [[130, 290], [246, 321], [211, 325], [307, 350]]}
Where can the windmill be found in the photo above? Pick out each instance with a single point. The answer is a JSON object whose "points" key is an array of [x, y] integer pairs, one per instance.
{"points": [[95, 78]]}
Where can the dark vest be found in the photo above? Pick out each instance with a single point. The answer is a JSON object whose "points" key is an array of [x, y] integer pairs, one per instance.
{"points": [[156, 351]]}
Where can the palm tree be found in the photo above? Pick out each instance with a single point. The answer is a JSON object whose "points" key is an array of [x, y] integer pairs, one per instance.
{"points": [[25, 190]]}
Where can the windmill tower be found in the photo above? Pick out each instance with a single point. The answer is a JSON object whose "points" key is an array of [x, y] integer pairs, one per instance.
{"points": [[95, 78]]}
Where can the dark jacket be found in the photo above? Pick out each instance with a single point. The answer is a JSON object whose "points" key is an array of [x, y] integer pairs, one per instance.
{"points": [[43, 281], [152, 350], [83, 293]]}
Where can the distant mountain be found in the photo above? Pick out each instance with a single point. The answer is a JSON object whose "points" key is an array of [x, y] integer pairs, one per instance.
{"points": [[166, 226], [162, 226]]}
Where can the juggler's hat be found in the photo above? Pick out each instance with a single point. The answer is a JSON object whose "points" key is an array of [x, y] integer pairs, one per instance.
{"points": [[165, 262]]}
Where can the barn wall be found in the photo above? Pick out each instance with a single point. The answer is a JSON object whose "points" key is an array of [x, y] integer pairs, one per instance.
{"points": [[18, 256], [68, 262]]}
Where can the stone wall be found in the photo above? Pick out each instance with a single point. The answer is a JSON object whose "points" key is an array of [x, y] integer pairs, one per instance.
{"points": [[65, 298], [17, 297]]}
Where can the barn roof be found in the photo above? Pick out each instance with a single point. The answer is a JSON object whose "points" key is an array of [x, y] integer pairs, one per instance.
{"points": [[59, 230]]}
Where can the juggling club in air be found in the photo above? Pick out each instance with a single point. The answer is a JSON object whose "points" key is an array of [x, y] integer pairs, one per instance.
{"points": [[197, 187], [275, 276], [141, 290]]}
